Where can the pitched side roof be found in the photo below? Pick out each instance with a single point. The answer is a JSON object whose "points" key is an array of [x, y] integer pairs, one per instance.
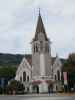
{"points": [[61, 59], [29, 58], [53, 60], [40, 28]]}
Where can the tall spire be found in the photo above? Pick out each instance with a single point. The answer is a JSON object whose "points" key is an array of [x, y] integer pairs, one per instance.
{"points": [[40, 27]]}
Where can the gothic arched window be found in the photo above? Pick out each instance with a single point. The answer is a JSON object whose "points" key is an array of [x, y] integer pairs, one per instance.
{"points": [[36, 48], [58, 74], [20, 78], [24, 76], [27, 78], [55, 77]]}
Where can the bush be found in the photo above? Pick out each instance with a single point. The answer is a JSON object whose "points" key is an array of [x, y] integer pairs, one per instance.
{"points": [[15, 87]]}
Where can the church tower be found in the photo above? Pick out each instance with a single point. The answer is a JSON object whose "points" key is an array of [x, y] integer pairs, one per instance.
{"points": [[41, 58], [41, 51]]}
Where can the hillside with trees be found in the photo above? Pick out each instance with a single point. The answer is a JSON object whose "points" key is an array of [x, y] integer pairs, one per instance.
{"points": [[9, 64], [10, 60]]}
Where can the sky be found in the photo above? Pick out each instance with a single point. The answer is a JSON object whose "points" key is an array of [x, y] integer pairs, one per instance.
{"points": [[18, 19]]}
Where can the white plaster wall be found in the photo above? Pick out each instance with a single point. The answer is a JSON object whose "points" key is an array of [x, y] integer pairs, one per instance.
{"points": [[43, 87], [24, 66], [57, 66]]}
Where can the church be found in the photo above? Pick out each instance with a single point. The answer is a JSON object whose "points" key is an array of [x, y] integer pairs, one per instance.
{"points": [[44, 72]]}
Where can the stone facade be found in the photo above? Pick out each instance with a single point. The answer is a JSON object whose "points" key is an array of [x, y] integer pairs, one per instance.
{"points": [[41, 59]]}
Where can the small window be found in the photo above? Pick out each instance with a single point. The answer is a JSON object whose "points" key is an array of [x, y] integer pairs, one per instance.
{"points": [[55, 77], [27, 78], [34, 48]]}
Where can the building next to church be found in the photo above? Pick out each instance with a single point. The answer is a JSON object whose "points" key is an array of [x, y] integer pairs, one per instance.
{"points": [[44, 74]]}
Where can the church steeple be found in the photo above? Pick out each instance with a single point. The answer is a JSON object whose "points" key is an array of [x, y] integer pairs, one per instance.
{"points": [[41, 51], [40, 28]]}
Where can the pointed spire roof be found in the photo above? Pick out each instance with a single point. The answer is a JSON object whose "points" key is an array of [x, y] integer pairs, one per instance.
{"points": [[40, 27]]}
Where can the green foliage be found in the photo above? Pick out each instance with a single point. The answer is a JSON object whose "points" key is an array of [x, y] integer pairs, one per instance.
{"points": [[10, 60], [7, 71], [8, 64], [72, 57], [72, 76], [66, 64], [69, 64]]}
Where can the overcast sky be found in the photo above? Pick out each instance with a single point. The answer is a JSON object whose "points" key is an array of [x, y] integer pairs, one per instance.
{"points": [[18, 20]]}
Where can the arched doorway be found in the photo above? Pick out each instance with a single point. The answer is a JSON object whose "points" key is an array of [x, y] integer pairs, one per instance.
{"points": [[36, 89]]}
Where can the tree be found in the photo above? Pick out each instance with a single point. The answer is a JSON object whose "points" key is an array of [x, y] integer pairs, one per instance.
{"points": [[7, 71], [69, 67], [71, 58], [70, 63]]}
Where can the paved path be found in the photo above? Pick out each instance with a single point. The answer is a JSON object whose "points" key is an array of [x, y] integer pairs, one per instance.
{"points": [[37, 97]]}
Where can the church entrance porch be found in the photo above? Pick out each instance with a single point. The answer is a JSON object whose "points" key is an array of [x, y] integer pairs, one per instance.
{"points": [[35, 86], [42, 86]]}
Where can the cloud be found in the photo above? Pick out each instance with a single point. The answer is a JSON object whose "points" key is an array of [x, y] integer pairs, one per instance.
{"points": [[18, 21]]}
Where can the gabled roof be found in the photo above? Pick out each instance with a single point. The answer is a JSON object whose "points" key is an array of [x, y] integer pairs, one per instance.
{"points": [[40, 28], [61, 59], [29, 58]]}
